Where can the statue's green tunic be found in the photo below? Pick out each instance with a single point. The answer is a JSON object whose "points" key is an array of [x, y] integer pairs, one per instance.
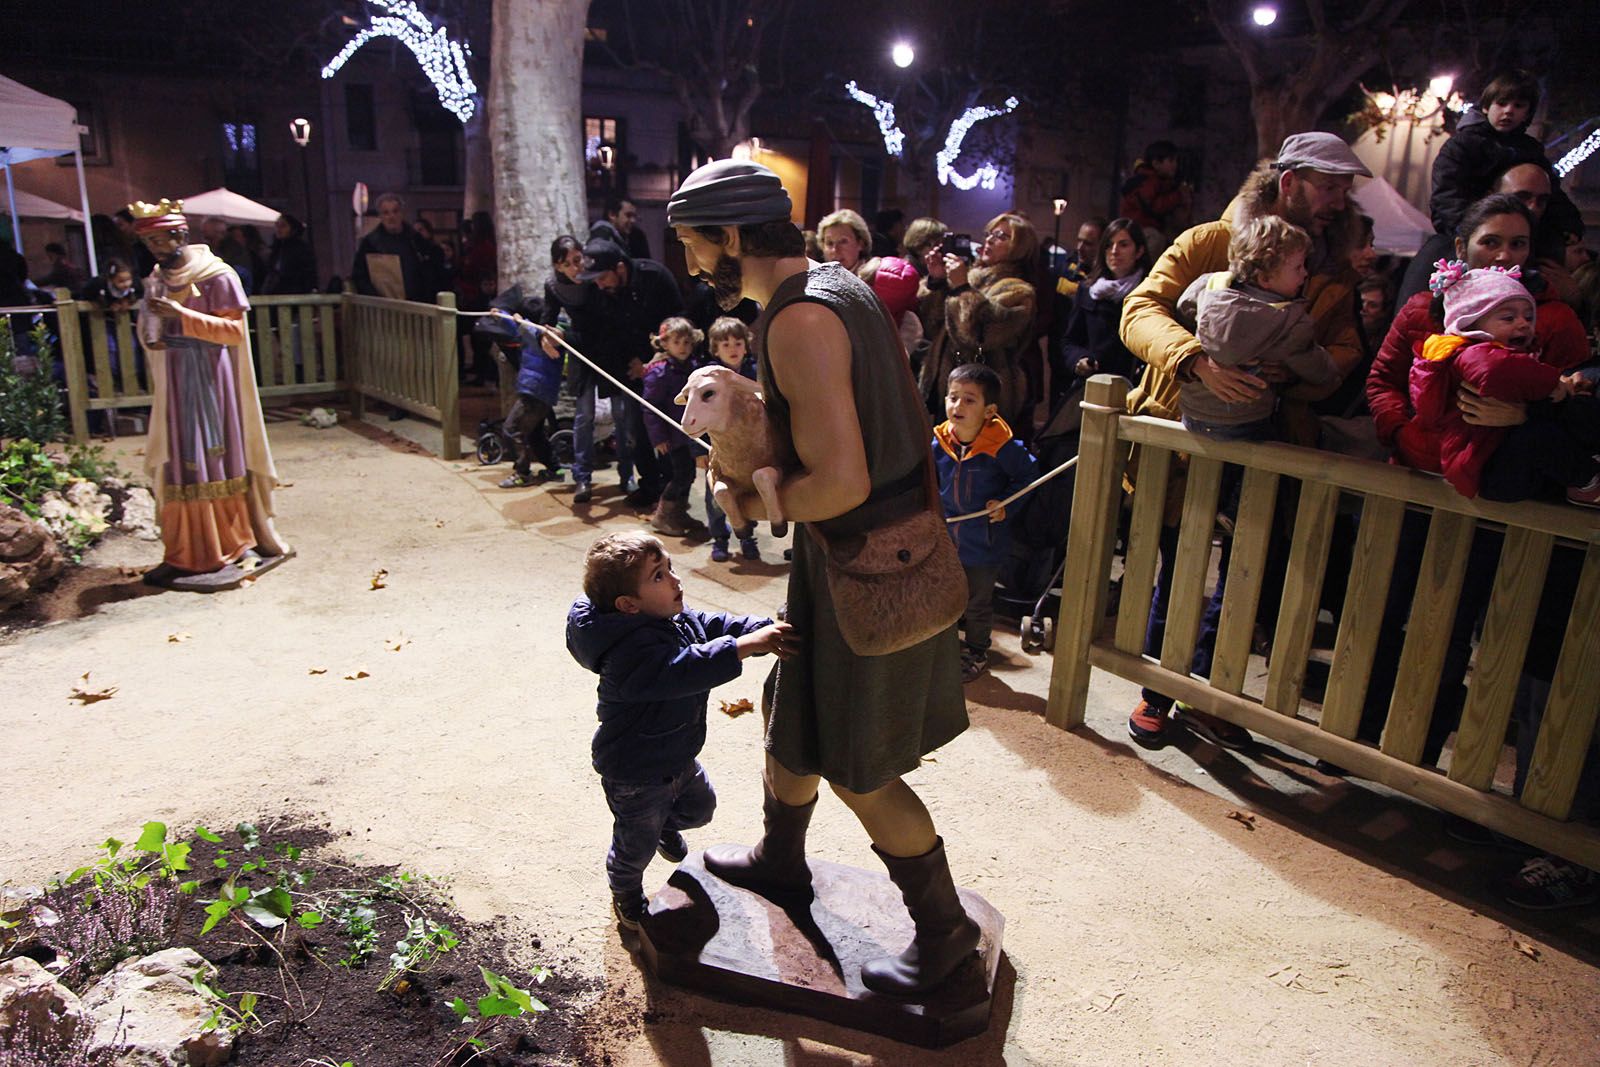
{"points": [[858, 721]]}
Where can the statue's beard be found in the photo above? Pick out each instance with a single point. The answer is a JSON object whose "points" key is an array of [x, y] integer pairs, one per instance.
{"points": [[727, 282]]}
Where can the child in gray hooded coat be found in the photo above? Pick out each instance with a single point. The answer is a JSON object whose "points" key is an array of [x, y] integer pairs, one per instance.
{"points": [[1250, 315]]}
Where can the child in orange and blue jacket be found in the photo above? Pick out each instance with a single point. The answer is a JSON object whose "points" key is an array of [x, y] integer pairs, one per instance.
{"points": [[978, 464]]}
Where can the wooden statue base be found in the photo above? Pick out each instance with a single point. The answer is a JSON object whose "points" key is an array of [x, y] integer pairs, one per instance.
{"points": [[708, 935], [231, 576]]}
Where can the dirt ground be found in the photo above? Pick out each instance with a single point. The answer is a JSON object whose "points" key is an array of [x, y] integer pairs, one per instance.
{"points": [[1146, 924]]}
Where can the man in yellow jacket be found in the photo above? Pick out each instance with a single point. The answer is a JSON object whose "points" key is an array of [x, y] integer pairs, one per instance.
{"points": [[1309, 185]]}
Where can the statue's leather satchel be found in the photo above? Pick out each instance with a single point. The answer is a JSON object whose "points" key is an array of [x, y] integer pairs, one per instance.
{"points": [[893, 572]]}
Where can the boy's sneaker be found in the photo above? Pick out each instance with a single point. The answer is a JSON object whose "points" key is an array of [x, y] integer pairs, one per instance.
{"points": [[1548, 882], [1587, 496], [516, 481], [1149, 725], [1219, 732], [584, 494], [629, 908], [550, 474], [719, 552], [748, 548], [973, 664], [672, 847]]}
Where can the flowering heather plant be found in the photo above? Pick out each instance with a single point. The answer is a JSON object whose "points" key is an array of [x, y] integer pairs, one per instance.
{"points": [[94, 932], [23, 1046]]}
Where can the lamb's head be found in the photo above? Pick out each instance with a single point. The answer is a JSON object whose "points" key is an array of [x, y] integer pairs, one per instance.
{"points": [[709, 399]]}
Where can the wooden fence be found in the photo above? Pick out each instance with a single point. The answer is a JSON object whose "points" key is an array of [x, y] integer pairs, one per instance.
{"points": [[1086, 638], [304, 345]]}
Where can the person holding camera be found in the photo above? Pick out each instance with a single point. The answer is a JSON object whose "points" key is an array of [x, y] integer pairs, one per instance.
{"points": [[977, 306]]}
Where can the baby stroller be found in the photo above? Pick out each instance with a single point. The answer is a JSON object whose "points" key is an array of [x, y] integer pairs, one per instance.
{"points": [[1028, 587]]}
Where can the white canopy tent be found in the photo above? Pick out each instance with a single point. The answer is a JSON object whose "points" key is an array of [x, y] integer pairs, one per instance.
{"points": [[36, 126], [1398, 228], [229, 206], [29, 206]]}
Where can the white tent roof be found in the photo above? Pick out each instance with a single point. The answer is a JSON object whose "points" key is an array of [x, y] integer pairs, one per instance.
{"points": [[228, 206], [1397, 227], [33, 125], [30, 206]]}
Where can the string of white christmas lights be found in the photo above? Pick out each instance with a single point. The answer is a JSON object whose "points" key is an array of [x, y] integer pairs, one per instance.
{"points": [[894, 141], [1584, 149], [443, 61], [986, 175]]}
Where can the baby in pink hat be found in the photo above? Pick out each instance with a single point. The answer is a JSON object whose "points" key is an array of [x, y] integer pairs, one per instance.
{"points": [[1488, 343]]}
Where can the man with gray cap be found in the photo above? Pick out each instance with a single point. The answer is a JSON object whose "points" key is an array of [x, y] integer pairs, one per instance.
{"points": [[1309, 185], [835, 377]]}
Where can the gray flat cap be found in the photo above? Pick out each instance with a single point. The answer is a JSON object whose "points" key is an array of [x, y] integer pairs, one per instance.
{"points": [[729, 192], [1319, 151]]}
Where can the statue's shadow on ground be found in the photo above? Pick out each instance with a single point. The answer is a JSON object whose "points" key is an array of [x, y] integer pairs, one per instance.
{"points": [[82, 592], [744, 955]]}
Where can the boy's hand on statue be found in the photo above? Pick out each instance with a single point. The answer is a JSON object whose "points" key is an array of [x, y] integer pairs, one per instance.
{"points": [[164, 307], [996, 510], [777, 639], [1229, 384], [1481, 410]]}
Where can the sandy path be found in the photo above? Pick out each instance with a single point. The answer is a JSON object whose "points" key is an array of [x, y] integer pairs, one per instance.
{"points": [[1144, 926]]}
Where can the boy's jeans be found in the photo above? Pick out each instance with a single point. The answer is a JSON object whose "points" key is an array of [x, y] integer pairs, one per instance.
{"points": [[642, 811]]}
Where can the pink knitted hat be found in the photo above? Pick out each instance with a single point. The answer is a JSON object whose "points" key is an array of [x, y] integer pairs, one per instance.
{"points": [[1469, 295]]}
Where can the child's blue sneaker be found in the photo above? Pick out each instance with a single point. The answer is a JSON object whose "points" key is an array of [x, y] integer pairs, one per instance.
{"points": [[748, 548], [719, 552]]}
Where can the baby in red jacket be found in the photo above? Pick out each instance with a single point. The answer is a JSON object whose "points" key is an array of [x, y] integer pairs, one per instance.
{"points": [[1487, 342]]}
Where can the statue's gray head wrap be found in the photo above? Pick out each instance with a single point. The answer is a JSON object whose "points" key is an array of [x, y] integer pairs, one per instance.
{"points": [[729, 192]]}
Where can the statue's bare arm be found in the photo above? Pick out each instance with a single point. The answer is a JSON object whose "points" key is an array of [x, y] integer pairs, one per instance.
{"points": [[810, 355]]}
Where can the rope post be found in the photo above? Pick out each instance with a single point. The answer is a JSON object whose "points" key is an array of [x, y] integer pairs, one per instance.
{"points": [[449, 384], [355, 346], [70, 333], [1096, 502]]}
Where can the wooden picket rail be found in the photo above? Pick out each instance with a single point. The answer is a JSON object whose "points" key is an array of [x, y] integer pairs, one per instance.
{"points": [[304, 345], [1086, 638], [404, 354]]}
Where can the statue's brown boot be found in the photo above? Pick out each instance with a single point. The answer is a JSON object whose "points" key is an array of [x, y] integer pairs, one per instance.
{"points": [[945, 936], [776, 866]]}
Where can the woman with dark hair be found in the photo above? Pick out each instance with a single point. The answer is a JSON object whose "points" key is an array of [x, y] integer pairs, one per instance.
{"points": [[983, 313], [1090, 343], [1497, 231], [292, 264]]}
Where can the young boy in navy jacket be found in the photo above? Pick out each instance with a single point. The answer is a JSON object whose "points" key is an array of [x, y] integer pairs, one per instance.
{"points": [[979, 464], [657, 660]]}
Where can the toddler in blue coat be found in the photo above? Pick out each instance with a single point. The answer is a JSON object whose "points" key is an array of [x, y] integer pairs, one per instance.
{"points": [[979, 463], [657, 661], [538, 389]]}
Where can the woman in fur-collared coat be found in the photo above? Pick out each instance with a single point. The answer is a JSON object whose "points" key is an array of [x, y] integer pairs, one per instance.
{"points": [[983, 313]]}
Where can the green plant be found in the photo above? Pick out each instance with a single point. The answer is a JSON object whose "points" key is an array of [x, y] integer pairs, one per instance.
{"points": [[91, 462], [27, 473], [30, 404], [158, 858], [229, 1018], [504, 1000], [357, 920], [425, 941]]}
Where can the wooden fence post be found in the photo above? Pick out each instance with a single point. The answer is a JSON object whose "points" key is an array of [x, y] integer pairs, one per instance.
{"points": [[70, 333], [1096, 503], [449, 382], [354, 346]]}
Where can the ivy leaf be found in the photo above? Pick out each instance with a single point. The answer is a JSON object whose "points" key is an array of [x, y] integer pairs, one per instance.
{"points": [[462, 1009], [153, 838], [308, 919], [177, 855], [249, 834], [206, 835], [216, 911]]}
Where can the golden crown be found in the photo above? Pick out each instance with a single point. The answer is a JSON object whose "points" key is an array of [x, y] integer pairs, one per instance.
{"points": [[142, 210]]}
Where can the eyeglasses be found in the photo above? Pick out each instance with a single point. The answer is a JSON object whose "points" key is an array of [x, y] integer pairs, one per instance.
{"points": [[996, 235]]}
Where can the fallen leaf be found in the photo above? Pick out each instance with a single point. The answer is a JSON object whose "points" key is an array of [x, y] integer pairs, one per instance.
{"points": [[84, 695], [379, 578], [438, 524], [395, 644], [317, 670], [351, 676], [735, 708], [285, 485], [246, 583], [178, 638], [1530, 951], [1245, 819]]}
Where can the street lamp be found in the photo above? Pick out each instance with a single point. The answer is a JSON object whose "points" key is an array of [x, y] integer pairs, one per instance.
{"points": [[1441, 85], [300, 130], [903, 54], [1264, 15]]}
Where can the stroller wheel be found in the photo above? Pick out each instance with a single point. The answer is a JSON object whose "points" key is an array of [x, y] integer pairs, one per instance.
{"points": [[491, 449], [1048, 641], [561, 445], [1031, 638]]}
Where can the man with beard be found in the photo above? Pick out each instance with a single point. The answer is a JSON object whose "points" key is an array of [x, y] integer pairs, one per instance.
{"points": [[834, 378], [1309, 185], [207, 457]]}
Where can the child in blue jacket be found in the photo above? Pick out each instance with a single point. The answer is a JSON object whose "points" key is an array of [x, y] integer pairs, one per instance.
{"points": [[979, 464], [538, 389], [657, 660]]}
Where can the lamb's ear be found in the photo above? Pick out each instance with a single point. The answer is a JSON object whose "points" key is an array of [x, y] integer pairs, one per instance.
{"points": [[743, 384], [682, 397]]}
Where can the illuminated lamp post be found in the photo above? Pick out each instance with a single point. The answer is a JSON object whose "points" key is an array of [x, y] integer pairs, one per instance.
{"points": [[300, 130]]}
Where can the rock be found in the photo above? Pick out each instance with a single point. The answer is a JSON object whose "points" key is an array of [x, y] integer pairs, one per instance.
{"points": [[149, 1009], [321, 418], [29, 557], [139, 514], [32, 999]]}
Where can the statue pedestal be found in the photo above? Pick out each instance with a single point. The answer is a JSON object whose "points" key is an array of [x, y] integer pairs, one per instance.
{"points": [[708, 935]]}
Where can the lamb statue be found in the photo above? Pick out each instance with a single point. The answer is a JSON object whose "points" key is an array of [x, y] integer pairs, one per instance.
{"points": [[748, 454]]}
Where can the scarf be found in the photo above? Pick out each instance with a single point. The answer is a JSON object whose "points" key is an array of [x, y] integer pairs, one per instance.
{"points": [[1115, 289], [199, 265]]}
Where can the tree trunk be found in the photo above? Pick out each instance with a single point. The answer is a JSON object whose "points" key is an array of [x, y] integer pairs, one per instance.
{"points": [[536, 131], [478, 191]]}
